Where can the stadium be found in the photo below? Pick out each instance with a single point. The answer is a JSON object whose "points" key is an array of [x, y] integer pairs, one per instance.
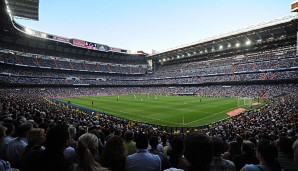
{"points": [[238, 86]]}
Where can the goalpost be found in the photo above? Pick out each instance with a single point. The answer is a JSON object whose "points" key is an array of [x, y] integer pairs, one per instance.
{"points": [[245, 101]]}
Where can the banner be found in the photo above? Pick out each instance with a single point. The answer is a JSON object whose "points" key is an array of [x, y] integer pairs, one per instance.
{"points": [[58, 38], [103, 48], [113, 49], [77, 42], [123, 51], [61, 39]]}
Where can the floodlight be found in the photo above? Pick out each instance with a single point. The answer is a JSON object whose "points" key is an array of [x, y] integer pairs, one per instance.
{"points": [[194, 52], [164, 59], [28, 31], [248, 42], [43, 35], [229, 45], [220, 47], [237, 44]]}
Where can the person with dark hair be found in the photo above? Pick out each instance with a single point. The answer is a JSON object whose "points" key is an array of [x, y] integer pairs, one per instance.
{"points": [[175, 153], [129, 143], [295, 148], [247, 155], [36, 138], [285, 154], [17, 146], [113, 154], [267, 155], [9, 136], [142, 159], [164, 142], [52, 158], [153, 142], [198, 151], [167, 143], [233, 150], [218, 163], [4, 165]]}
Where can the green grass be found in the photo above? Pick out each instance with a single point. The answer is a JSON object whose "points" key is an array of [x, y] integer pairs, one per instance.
{"points": [[164, 110]]}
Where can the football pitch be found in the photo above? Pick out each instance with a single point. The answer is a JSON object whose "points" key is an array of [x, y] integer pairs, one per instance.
{"points": [[183, 111]]}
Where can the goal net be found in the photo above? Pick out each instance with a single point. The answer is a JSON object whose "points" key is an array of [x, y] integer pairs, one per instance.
{"points": [[245, 101]]}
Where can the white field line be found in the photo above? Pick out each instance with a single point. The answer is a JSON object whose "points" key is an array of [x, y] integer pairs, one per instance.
{"points": [[118, 111], [182, 109], [209, 116]]}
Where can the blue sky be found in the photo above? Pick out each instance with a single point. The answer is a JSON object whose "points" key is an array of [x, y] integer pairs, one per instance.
{"points": [[151, 24]]}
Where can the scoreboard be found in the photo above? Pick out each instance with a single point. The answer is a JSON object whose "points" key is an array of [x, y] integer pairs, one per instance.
{"points": [[90, 45]]}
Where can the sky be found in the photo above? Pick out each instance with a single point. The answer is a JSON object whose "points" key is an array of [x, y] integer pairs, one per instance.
{"points": [[151, 24]]}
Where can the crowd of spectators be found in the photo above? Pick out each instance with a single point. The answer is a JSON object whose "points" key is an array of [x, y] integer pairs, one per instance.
{"points": [[268, 59], [274, 64], [41, 137], [37, 133], [26, 76], [36, 61], [266, 91]]}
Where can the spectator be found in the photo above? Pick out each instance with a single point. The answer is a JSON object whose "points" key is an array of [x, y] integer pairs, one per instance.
{"points": [[285, 154], [198, 151], [129, 143], [267, 155], [153, 142], [52, 158], [114, 153], [232, 151], [175, 153], [97, 133], [36, 138], [9, 136], [87, 148], [4, 165], [247, 155], [142, 159], [218, 163], [17, 146], [295, 148]]}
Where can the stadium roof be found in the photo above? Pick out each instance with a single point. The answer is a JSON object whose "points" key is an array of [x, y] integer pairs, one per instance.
{"points": [[267, 33], [13, 34], [25, 9], [281, 31]]}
